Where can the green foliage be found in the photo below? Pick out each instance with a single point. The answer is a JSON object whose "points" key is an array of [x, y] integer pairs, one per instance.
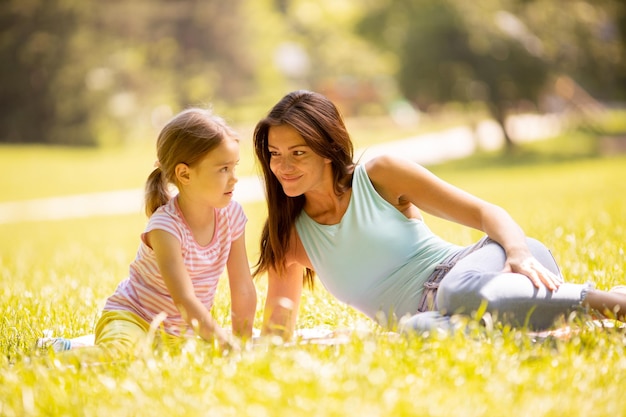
{"points": [[456, 51], [39, 39], [505, 53], [94, 73], [105, 73]]}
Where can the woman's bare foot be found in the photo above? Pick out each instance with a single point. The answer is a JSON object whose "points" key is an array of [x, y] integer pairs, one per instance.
{"points": [[620, 289], [611, 304]]}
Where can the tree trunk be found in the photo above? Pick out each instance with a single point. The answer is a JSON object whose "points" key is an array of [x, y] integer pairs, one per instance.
{"points": [[499, 114]]}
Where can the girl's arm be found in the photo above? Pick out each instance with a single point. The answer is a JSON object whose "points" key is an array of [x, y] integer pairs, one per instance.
{"points": [[242, 290], [171, 265], [407, 185]]}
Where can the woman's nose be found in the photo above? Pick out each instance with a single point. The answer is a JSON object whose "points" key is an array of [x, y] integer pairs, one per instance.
{"points": [[286, 163]]}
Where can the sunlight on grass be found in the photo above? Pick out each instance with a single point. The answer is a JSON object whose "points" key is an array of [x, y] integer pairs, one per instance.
{"points": [[56, 276]]}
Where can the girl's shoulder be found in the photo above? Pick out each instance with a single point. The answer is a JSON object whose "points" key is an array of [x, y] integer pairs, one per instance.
{"points": [[168, 212], [167, 217], [233, 218], [233, 210]]}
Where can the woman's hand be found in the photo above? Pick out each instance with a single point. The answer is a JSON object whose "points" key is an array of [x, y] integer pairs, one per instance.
{"points": [[524, 263]]}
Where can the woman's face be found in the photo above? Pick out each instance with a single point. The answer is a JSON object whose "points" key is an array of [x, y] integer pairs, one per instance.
{"points": [[293, 162]]}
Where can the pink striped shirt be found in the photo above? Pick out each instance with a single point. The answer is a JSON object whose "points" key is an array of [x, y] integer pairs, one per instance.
{"points": [[144, 292]]}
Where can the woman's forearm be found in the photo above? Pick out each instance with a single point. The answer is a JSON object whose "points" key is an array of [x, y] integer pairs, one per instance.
{"points": [[500, 226], [242, 313]]}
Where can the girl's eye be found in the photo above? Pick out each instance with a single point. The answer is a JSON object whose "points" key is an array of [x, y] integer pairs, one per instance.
{"points": [[273, 153], [298, 153]]}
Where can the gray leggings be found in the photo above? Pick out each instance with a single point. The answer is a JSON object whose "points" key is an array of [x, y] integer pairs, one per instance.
{"points": [[474, 275]]}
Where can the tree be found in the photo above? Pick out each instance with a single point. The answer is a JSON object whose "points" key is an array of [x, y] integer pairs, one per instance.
{"points": [[88, 72], [502, 53], [36, 48], [443, 57]]}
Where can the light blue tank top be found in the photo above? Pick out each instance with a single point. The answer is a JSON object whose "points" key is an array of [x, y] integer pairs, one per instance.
{"points": [[375, 259]]}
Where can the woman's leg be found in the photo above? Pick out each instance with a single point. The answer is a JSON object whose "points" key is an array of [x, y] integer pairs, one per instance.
{"points": [[478, 278], [611, 304], [426, 322]]}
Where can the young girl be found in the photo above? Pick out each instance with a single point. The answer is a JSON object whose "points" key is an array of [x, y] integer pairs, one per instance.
{"points": [[189, 240]]}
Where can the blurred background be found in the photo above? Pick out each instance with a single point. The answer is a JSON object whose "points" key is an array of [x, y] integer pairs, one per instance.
{"points": [[98, 73]]}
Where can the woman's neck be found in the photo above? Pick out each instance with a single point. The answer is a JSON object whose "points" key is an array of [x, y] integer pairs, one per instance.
{"points": [[327, 208]]}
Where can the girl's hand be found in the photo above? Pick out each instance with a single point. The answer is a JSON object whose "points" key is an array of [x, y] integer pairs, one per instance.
{"points": [[226, 341], [526, 264]]}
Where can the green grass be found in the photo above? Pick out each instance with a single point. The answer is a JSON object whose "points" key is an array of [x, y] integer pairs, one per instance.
{"points": [[56, 275], [40, 171]]}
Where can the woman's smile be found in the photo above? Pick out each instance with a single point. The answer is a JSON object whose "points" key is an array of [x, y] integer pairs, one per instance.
{"points": [[289, 178]]}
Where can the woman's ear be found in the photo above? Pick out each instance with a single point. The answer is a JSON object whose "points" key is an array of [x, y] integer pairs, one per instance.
{"points": [[182, 173]]}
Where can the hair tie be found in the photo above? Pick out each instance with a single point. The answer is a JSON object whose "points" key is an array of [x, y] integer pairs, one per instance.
{"points": [[157, 164]]}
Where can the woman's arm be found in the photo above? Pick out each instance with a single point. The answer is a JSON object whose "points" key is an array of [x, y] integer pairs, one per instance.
{"points": [[283, 301], [171, 265], [405, 184], [501, 227], [242, 289]]}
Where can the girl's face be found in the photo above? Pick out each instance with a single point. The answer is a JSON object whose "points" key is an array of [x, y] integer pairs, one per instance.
{"points": [[213, 178], [293, 162]]}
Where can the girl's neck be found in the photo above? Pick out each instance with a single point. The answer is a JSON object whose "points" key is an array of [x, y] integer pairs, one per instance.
{"points": [[199, 217]]}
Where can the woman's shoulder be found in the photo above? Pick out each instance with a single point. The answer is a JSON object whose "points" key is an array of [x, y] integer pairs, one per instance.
{"points": [[391, 167], [385, 168], [385, 162]]}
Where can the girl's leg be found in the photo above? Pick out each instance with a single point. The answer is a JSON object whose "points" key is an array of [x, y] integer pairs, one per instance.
{"points": [[120, 331], [478, 278], [116, 332]]}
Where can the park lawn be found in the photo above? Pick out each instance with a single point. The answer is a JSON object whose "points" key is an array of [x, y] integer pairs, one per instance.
{"points": [[38, 171], [56, 275]]}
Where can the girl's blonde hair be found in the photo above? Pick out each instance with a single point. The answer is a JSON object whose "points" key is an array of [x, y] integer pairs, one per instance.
{"points": [[186, 138]]}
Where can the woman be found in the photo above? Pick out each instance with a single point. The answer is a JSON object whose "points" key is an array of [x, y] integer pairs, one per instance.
{"points": [[359, 228]]}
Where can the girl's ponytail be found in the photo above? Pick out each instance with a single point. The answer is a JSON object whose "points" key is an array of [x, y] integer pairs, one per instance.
{"points": [[156, 193]]}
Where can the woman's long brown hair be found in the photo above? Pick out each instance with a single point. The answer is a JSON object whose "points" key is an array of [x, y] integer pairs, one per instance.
{"points": [[321, 126]]}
